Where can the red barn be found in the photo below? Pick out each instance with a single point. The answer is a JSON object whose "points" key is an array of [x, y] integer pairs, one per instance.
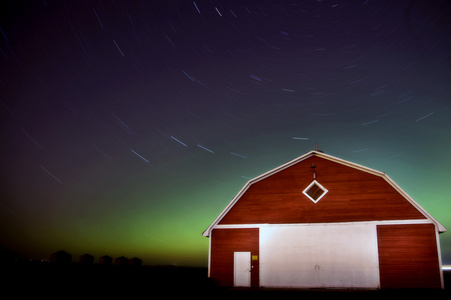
{"points": [[322, 222]]}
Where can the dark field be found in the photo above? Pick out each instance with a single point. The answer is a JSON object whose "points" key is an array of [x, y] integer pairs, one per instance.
{"points": [[143, 282]]}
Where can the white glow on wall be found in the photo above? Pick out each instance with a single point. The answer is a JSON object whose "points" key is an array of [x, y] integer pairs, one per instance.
{"points": [[309, 256]]}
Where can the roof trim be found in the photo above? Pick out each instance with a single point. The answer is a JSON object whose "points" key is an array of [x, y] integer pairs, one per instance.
{"points": [[207, 232]]}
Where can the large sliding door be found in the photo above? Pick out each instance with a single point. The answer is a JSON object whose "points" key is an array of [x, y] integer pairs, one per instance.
{"points": [[312, 256]]}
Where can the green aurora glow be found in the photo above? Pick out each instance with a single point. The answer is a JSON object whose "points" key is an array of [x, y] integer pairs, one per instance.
{"points": [[127, 127]]}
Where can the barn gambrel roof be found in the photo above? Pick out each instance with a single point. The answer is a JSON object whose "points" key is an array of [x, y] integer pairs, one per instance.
{"points": [[320, 154]]}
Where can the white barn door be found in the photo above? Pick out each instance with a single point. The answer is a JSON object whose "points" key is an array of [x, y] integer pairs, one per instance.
{"points": [[312, 256], [242, 269]]}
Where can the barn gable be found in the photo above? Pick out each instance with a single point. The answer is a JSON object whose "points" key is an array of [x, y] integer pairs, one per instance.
{"points": [[322, 222], [319, 188]]}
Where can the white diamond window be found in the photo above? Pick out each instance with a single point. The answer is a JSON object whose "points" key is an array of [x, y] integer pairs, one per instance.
{"points": [[315, 191]]}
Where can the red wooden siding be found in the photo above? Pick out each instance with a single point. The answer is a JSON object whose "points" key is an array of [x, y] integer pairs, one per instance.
{"points": [[224, 242], [354, 195], [408, 256]]}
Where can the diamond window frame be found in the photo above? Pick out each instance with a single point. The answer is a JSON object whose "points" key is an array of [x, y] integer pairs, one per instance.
{"points": [[314, 182]]}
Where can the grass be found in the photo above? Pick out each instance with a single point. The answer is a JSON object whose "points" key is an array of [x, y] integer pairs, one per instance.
{"points": [[168, 282]]}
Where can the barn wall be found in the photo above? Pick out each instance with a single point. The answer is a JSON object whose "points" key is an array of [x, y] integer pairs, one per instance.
{"points": [[353, 196], [224, 242], [408, 256], [407, 253]]}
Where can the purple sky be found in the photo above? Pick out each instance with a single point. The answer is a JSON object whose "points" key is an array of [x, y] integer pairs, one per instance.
{"points": [[127, 126]]}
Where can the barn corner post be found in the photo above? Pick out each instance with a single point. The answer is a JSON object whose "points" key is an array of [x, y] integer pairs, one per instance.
{"points": [[348, 228], [209, 256], [442, 279]]}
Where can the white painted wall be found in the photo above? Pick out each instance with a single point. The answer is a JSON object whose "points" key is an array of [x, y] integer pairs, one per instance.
{"points": [[319, 255]]}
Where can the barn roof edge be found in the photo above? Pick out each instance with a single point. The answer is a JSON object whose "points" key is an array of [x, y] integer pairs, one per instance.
{"points": [[207, 232]]}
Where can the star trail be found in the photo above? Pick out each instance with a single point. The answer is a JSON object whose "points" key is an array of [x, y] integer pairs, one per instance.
{"points": [[127, 126]]}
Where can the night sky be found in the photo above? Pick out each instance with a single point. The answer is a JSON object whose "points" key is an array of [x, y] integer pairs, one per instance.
{"points": [[128, 126]]}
